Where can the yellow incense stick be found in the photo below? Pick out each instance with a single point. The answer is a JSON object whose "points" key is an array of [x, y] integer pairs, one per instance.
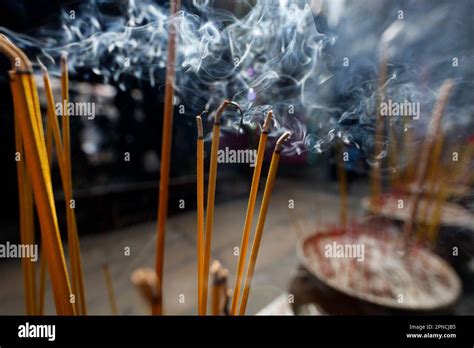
{"points": [[261, 220], [26, 220], [211, 190], [66, 174], [250, 212]]}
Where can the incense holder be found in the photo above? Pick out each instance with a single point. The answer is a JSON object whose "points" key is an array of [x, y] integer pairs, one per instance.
{"points": [[361, 270]]}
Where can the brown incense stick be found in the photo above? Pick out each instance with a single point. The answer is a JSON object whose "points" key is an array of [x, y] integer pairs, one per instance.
{"points": [[261, 220], [433, 129], [200, 209], [166, 148], [250, 212]]}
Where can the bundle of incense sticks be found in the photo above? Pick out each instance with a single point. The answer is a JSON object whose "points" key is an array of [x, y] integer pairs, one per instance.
{"points": [[250, 212], [261, 220], [31, 141], [62, 144], [204, 250]]}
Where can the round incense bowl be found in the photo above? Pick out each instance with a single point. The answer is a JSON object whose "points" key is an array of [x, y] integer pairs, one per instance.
{"points": [[456, 226], [361, 271]]}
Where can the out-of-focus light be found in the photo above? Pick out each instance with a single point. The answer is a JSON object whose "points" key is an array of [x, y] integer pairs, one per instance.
{"points": [[251, 95]]}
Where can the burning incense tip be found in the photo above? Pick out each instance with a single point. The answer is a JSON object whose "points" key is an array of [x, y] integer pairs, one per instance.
{"points": [[199, 126], [268, 119], [226, 103], [281, 140]]}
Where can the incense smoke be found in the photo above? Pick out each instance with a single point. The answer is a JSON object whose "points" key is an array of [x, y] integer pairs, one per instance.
{"points": [[289, 56]]}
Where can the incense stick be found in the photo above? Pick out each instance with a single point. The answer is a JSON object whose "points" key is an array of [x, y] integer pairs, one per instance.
{"points": [[261, 220], [250, 212], [35, 150], [216, 130], [200, 208], [73, 239], [433, 129], [166, 149], [26, 221], [110, 288]]}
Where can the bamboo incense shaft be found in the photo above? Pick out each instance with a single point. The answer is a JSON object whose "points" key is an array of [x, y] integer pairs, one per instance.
{"points": [[65, 111], [35, 151], [200, 209], [166, 149], [211, 191], [261, 220], [110, 289], [26, 221], [250, 212], [342, 176], [73, 238], [428, 145]]}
